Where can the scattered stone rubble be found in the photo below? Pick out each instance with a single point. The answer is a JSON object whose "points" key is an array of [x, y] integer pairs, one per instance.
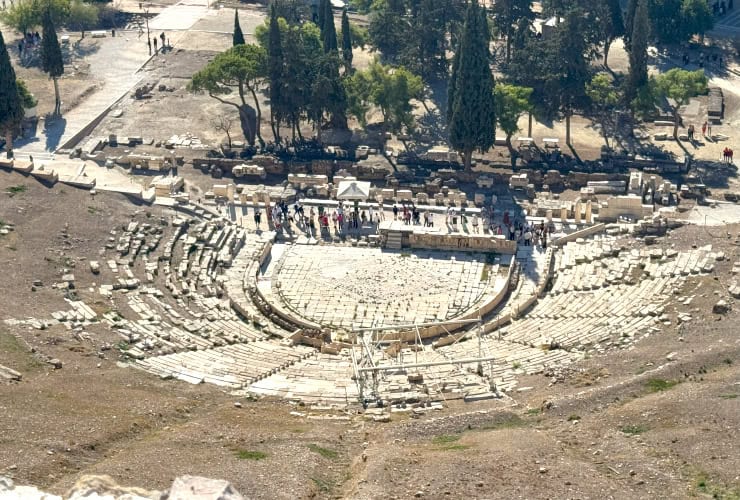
{"points": [[104, 487]]}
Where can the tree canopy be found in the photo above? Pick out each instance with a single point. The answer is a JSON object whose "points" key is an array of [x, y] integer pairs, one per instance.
{"points": [[11, 105], [511, 102], [346, 42], [679, 86], [604, 97], [638, 75], [51, 57], [512, 18], [238, 71], [389, 89], [26, 15], [472, 116], [675, 21]]}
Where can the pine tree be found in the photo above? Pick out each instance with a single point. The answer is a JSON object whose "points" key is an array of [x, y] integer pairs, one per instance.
{"points": [[346, 42], [238, 35], [11, 108], [472, 119], [638, 75], [51, 57], [329, 34], [629, 21], [275, 73]]}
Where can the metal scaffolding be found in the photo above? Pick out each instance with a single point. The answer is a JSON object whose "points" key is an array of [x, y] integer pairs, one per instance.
{"points": [[367, 373]]}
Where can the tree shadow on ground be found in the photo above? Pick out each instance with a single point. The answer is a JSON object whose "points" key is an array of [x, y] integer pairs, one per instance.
{"points": [[54, 129], [714, 174]]}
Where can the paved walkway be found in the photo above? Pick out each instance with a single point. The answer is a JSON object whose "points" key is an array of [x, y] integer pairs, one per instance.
{"points": [[117, 62]]}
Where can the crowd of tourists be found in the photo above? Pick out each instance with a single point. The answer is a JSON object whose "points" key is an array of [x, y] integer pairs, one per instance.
{"points": [[347, 219]]}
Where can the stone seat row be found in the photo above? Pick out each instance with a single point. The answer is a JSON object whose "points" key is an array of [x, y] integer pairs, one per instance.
{"points": [[621, 299], [324, 379], [576, 333], [234, 365], [510, 358]]}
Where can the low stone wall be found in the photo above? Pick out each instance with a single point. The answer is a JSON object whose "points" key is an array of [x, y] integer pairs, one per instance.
{"points": [[582, 233], [459, 241]]}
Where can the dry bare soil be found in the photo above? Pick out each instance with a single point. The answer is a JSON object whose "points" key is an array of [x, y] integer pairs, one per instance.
{"points": [[627, 425]]}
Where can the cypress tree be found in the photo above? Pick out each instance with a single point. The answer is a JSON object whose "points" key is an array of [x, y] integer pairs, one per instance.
{"points": [[452, 85], [322, 15], [346, 42], [329, 35], [275, 73], [11, 108], [638, 76], [472, 118], [51, 57], [238, 38], [629, 21]]}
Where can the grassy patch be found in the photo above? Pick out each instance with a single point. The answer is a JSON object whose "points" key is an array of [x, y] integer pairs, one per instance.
{"points": [[516, 365], [446, 438], [16, 355], [92, 210], [325, 485], [659, 384], [14, 190], [324, 452], [703, 484], [534, 411], [728, 396], [510, 421], [448, 442], [633, 430], [250, 455], [485, 273], [123, 346], [405, 254], [573, 417]]}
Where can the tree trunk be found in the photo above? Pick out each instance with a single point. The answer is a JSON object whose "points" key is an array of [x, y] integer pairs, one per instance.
{"points": [[607, 45], [509, 145], [467, 159], [676, 120], [275, 127], [529, 129], [259, 116], [508, 48], [247, 120], [567, 129], [58, 100], [9, 143]]}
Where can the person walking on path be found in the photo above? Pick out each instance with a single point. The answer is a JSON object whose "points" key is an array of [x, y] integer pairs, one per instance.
{"points": [[704, 129]]}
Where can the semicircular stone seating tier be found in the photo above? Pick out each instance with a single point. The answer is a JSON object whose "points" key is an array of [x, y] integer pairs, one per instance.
{"points": [[200, 299]]}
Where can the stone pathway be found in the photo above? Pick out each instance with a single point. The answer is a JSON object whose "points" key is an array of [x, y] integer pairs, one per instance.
{"points": [[130, 52]]}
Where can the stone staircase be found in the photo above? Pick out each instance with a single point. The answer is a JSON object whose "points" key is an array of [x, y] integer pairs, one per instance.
{"points": [[394, 240]]}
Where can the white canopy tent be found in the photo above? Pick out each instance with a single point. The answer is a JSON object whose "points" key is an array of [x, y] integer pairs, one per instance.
{"points": [[353, 190]]}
